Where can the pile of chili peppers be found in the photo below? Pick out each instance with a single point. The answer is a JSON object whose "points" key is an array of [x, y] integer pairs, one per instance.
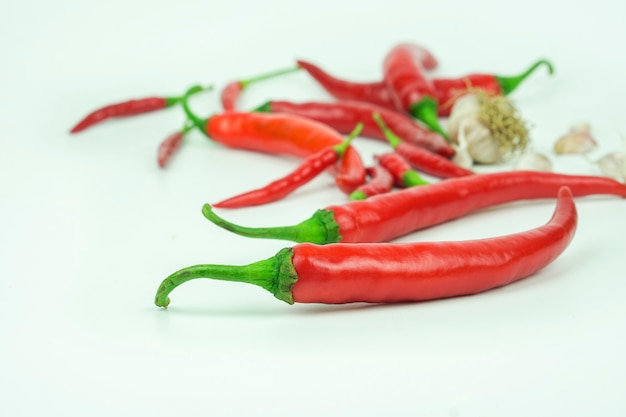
{"points": [[343, 252]]}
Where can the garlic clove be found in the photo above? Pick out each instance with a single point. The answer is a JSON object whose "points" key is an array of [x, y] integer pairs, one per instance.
{"points": [[577, 141], [613, 165], [534, 161], [462, 156]]}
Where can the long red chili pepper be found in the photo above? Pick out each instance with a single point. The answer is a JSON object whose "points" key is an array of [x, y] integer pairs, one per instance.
{"points": [[131, 108], [374, 92], [447, 89], [232, 91], [387, 216], [400, 169], [305, 172], [344, 115], [419, 158], [411, 90], [396, 272], [281, 134], [381, 181]]}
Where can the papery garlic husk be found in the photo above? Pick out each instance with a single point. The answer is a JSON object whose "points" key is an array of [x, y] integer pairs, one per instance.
{"points": [[613, 165], [577, 141], [462, 156], [534, 161], [493, 130]]}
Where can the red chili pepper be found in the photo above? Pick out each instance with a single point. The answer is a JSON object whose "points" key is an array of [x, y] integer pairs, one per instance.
{"points": [[305, 172], [381, 181], [281, 134], [396, 272], [130, 108], [411, 90], [232, 91], [448, 90], [421, 159], [387, 216], [345, 114], [400, 169], [376, 92], [171, 144]]}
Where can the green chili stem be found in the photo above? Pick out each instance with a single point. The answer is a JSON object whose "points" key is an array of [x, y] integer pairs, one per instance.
{"points": [[245, 83], [171, 101], [508, 84], [321, 228], [391, 137], [425, 111], [341, 148], [275, 274], [197, 121]]}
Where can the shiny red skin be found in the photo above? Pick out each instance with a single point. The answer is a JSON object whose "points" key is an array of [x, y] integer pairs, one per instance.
{"points": [[286, 134], [387, 216], [310, 168], [396, 165], [168, 148], [344, 115], [380, 182], [404, 75], [389, 273]]}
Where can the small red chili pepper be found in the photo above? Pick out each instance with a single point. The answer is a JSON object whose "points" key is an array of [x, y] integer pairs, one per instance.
{"points": [[421, 159], [400, 169], [387, 216], [232, 91], [396, 272], [411, 90], [280, 134], [344, 115], [130, 108], [311, 167], [448, 90], [381, 181], [171, 144]]}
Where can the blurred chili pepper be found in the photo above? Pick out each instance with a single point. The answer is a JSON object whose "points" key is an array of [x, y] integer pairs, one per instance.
{"points": [[419, 158], [403, 175], [280, 134], [380, 181], [396, 272], [344, 115], [232, 91], [387, 216], [131, 108]]}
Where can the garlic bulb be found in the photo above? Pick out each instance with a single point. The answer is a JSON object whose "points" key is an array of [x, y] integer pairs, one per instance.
{"points": [[493, 130], [462, 156], [613, 165], [577, 140]]}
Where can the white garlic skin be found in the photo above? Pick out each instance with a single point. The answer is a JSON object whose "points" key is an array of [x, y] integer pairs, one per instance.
{"points": [[613, 165], [482, 147], [534, 161]]}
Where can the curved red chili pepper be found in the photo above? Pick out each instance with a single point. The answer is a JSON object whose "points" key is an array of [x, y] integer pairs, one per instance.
{"points": [[447, 90], [376, 92], [400, 169], [411, 90], [396, 272], [419, 158], [231, 92], [387, 216], [281, 134], [381, 181], [344, 115], [130, 108], [305, 172]]}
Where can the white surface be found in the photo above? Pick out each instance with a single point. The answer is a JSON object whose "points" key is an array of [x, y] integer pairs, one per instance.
{"points": [[90, 225]]}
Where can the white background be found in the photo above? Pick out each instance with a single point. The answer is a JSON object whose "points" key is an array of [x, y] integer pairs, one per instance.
{"points": [[90, 225]]}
